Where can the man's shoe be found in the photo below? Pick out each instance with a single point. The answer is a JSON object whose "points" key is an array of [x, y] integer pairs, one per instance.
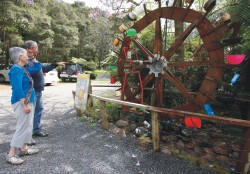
{"points": [[14, 159], [40, 134], [32, 143], [29, 151]]}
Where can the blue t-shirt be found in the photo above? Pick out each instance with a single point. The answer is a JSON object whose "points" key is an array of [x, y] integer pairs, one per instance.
{"points": [[20, 82]]}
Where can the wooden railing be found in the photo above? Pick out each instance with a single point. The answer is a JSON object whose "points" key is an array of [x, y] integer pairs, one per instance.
{"points": [[244, 158]]}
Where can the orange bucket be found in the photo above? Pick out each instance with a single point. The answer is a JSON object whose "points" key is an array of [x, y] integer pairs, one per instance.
{"points": [[193, 122]]}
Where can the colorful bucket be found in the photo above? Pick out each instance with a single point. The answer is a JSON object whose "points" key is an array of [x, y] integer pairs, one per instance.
{"points": [[235, 59], [112, 80], [122, 28], [193, 122], [116, 42]]}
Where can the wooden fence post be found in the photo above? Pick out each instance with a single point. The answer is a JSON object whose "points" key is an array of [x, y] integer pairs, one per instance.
{"points": [[104, 115], [243, 163], [90, 99], [155, 130]]}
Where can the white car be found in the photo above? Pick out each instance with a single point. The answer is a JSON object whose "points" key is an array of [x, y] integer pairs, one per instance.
{"points": [[51, 77], [4, 75]]}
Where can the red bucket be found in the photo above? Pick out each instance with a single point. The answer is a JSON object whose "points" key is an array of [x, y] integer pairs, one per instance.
{"points": [[193, 122], [235, 59], [112, 80]]}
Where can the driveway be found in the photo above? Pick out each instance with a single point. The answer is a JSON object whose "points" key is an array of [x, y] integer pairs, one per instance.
{"points": [[76, 147]]}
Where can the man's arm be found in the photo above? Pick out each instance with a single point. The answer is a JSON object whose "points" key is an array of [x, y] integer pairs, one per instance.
{"points": [[50, 66]]}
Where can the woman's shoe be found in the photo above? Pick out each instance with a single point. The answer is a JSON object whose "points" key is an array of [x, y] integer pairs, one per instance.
{"points": [[14, 159], [29, 151], [32, 143]]}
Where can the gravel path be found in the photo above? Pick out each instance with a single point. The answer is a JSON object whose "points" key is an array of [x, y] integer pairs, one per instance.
{"points": [[76, 147]]}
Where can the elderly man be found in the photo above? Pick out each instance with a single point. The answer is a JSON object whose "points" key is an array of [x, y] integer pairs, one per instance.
{"points": [[32, 50]]}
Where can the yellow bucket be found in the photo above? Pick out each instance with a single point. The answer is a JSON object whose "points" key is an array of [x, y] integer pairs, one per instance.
{"points": [[116, 42]]}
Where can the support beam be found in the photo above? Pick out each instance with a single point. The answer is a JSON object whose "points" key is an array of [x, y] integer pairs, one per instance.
{"points": [[243, 162], [155, 131]]}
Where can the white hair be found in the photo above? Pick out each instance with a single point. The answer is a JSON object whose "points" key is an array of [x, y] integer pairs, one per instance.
{"points": [[15, 53]]}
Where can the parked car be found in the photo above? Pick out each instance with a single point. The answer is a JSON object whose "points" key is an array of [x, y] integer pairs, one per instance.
{"points": [[4, 75], [51, 77], [70, 72]]}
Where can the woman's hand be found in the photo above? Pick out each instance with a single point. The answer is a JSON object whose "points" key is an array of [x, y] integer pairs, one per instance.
{"points": [[27, 108]]}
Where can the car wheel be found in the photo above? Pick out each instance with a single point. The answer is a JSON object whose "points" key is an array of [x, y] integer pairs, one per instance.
{"points": [[2, 78]]}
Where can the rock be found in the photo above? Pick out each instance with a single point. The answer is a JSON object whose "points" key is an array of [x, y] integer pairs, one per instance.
{"points": [[166, 151], [146, 124], [220, 151], [197, 150], [202, 163], [141, 131], [121, 123], [119, 131], [132, 127], [189, 145], [236, 148], [169, 138], [221, 158], [220, 143], [186, 132], [180, 144], [144, 140], [234, 155], [204, 136], [207, 156], [208, 150]]}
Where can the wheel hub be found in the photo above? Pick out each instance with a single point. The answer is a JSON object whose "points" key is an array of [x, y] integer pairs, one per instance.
{"points": [[157, 64]]}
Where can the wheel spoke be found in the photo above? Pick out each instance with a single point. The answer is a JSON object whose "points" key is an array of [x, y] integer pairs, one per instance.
{"points": [[158, 37], [142, 48], [168, 75], [159, 90], [173, 49], [191, 63]]}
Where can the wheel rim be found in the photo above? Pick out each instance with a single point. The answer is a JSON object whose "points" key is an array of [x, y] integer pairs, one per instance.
{"points": [[160, 70]]}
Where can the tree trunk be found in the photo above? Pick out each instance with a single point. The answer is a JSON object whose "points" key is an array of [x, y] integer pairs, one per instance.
{"points": [[178, 31]]}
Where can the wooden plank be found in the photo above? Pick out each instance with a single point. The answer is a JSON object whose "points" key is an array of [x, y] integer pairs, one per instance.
{"points": [[179, 114], [104, 115], [155, 131]]}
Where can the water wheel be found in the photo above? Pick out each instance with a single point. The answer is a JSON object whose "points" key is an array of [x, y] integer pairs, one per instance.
{"points": [[161, 64]]}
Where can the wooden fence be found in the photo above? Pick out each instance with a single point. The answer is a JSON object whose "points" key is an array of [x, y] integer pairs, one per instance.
{"points": [[244, 158]]}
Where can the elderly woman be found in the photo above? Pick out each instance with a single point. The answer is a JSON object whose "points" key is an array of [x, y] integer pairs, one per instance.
{"points": [[22, 101]]}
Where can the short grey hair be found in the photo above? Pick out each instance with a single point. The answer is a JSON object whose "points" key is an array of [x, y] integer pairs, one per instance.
{"points": [[15, 53], [30, 44]]}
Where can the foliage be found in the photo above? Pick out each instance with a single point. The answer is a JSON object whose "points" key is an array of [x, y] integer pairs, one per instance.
{"points": [[88, 65], [62, 30], [109, 60]]}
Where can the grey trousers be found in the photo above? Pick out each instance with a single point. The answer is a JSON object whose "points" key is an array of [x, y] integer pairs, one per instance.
{"points": [[24, 125]]}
